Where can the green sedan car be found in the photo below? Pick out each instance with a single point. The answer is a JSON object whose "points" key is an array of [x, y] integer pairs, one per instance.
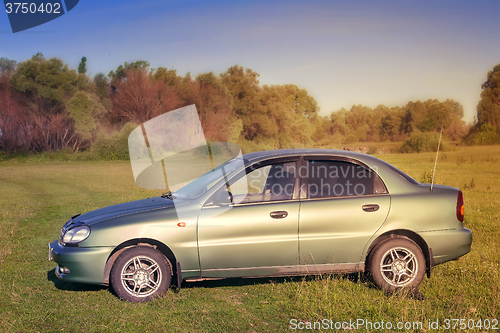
{"points": [[270, 213]]}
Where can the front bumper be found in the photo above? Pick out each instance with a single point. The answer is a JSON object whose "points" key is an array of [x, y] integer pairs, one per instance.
{"points": [[448, 245], [79, 264]]}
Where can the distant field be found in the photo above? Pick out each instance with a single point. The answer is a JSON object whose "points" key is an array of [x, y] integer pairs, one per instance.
{"points": [[37, 198]]}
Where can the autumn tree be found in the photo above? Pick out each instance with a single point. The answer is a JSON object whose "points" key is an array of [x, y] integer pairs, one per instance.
{"points": [[284, 117], [270, 114], [244, 87], [45, 83], [169, 76], [45, 86], [140, 98], [7, 68], [337, 118], [390, 126], [214, 104], [388, 122], [85, 110], [12, 116], [101, 89], [321, 130], [121, 72], [305, 104], [488, 109]]}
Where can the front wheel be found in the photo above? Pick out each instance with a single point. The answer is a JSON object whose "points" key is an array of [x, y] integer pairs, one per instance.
{"points": [[140, 273], [396, 264]]}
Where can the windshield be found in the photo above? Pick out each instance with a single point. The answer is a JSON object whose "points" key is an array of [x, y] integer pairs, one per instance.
{"points": [[204, 183]]}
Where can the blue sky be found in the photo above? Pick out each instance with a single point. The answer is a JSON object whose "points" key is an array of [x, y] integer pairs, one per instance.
{"points": [[343, 52]]}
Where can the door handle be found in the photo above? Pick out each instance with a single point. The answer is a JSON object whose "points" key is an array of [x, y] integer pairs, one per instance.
{"points": [[370, 208], [279, 214]]}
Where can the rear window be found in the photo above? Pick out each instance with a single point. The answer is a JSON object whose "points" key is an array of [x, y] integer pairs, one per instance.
{"points": [[339, 178], [402, 174]]}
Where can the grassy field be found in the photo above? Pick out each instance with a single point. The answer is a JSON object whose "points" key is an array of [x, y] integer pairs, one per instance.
{"points": [[37, 198]]}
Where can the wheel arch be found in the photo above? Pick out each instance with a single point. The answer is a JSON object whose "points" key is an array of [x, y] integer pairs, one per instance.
{"points": [[164, 249], [427, 252]]}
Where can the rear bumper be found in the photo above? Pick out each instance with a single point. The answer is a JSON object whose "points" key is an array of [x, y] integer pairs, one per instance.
{"points": [[79, 264], [448, 245]]}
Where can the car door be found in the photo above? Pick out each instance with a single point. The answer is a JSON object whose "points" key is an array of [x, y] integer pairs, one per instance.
{"points": [[256, 232], [343, 203]]}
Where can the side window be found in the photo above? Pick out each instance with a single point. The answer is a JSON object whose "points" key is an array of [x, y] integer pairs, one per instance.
{"points": [[268, 183], [340, 178]]}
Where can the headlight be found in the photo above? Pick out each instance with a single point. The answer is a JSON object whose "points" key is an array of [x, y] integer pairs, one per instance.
{"points": [[76, 235]]}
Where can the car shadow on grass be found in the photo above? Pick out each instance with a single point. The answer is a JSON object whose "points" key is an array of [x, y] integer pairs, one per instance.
{"points": [[355, 278], [72, 286]]}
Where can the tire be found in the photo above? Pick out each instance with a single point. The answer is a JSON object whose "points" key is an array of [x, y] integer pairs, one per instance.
{"points": [[397, 263], [140, 274]]}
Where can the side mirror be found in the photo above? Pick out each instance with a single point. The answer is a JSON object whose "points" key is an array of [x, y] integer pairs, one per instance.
{"points": [[224, 198]]}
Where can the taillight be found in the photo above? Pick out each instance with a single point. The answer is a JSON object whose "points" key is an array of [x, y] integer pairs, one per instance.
{"points": [[460, 207]]}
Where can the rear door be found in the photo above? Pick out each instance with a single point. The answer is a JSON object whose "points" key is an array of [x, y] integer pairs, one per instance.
{"points": [[343, 203]]}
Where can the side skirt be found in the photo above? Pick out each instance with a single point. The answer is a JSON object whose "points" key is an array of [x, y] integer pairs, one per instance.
{"points": [[272, 271]]}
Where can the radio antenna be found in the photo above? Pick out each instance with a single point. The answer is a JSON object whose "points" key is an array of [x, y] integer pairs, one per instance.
{"points": [[437, 153]]}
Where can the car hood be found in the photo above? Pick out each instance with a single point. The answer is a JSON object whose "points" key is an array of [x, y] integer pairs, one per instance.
{"points": [[122, 209]]}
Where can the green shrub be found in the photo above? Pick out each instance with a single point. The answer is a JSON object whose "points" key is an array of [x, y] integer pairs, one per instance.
{"points": [[487, 135], [110, 147], [351, 138], [60, 155], [422, 142]]}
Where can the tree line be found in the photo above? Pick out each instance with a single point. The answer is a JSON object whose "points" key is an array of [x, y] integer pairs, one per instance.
{"points": [[47, 106]]}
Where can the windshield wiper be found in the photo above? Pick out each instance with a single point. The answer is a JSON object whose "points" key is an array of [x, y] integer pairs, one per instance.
{"points": [[168, 195]]}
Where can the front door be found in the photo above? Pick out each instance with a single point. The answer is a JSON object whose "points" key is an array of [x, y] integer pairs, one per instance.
{"points": [[257, 231]]}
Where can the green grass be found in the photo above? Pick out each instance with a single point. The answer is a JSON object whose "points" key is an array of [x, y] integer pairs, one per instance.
{"points": [[38, 197]]}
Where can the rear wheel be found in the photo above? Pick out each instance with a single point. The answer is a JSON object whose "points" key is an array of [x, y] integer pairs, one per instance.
{"points": [[397, 263], [140, 274]]}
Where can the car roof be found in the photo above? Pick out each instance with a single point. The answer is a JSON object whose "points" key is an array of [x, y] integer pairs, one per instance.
{"points": [[264, 155]]}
